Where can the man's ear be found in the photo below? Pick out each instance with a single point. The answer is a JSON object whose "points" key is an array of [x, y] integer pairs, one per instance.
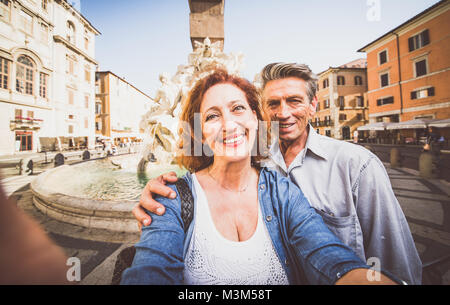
{"points": [[313, 106]]}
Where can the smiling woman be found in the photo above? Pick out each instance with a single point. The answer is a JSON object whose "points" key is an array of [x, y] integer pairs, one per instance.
{"points": [[250, 225]]}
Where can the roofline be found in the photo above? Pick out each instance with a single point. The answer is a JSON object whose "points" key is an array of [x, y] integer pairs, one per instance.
{"points": [[403, 24], [84, 18], [125, 82], [340, 68]]}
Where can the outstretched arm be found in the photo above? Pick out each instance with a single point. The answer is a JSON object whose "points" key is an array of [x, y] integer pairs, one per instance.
{"points": [[323, 257], [159, 252]]}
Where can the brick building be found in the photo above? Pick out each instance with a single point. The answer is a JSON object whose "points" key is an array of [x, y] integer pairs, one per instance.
{"points": [[342, 103], [408, 71]]}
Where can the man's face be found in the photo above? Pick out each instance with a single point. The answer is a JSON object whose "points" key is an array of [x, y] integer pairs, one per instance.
{"points": [[286, 101]]}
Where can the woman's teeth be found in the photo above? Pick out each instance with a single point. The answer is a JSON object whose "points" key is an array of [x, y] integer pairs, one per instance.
{"points": [[286, 125], [233, 140]]}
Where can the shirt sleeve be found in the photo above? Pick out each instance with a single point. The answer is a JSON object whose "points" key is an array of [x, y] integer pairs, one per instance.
{"points": [[159, 252], [322, 256], [386, 234]]}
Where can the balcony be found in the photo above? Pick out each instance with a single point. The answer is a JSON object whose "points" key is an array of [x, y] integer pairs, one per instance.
{"points": [[23, 123]]}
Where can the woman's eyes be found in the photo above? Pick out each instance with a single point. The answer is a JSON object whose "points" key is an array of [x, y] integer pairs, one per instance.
{"points": [[238, 108], [210, 117]]}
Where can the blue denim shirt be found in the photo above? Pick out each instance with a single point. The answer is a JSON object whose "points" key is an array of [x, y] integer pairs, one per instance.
{"points": [[306, 248]]}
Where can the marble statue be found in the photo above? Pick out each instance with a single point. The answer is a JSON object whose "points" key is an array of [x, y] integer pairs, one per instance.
{"points": [[161, 121]]}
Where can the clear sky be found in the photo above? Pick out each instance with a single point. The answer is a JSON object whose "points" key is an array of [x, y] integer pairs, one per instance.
{"points": [[142, 38]]}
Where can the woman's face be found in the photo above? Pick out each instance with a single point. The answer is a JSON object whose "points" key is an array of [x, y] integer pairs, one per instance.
{"points": [[228, 123]]}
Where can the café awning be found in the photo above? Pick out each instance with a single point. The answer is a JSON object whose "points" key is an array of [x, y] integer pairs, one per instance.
{"points": [[374, 126], [412, 124], [440, 123]]}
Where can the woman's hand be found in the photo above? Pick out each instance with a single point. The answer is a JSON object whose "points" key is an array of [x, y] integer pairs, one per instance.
{"points": [[154, 187]]}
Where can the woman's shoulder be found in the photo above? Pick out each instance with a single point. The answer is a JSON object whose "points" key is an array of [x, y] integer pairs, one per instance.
{"points": [[279, 183]]}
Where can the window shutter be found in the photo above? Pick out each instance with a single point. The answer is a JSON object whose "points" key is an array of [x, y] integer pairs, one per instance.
{"points": [[425, 37], [378, 102], [413, 95], [411, 44], [431, 91]]}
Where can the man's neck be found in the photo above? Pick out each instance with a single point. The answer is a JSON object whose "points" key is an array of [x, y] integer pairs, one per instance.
{"points": [[290, 149]]}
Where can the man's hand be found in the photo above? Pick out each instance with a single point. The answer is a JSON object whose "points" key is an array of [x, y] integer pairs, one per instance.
{"points": [[154, 187]]}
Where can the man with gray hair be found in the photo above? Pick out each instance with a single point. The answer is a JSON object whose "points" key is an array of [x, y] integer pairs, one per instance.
{"points": [[345, 183]]}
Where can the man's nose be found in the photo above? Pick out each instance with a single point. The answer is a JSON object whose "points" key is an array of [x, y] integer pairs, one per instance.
{"points": [[283, 111]]}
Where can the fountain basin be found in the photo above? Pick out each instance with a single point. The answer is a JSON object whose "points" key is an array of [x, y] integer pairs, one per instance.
{"points": [[60, 193]]}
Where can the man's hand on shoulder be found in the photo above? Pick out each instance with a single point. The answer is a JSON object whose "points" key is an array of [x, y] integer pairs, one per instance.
{"points": [[153, 188]]}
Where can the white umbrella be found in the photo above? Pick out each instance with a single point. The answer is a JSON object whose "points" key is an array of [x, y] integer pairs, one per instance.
{"points": [[374, 126], [412, 124], [441, 123]]}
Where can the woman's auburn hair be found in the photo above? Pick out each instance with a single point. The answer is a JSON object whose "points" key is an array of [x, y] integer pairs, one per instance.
{"points": [[185, 154]]}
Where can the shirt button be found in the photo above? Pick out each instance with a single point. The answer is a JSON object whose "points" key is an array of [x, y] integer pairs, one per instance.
{"points": [[263, 186], [269, 218]]}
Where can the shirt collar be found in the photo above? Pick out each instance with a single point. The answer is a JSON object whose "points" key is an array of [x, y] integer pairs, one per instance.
{"points": [[313, 144]]}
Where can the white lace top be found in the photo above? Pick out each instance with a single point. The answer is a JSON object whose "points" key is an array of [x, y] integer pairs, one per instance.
{"points": [[214, 260]]}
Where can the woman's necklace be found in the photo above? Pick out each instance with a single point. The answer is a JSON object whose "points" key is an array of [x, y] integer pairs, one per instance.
{"points": [[223, 186]]}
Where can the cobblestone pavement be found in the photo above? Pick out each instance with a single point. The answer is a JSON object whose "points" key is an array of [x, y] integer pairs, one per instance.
{"points": [[425, 202]]}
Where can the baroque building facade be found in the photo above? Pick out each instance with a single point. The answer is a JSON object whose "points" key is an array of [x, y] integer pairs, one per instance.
{"points": [[47, 75], [342, 100], [409, 71], [119, 109]]}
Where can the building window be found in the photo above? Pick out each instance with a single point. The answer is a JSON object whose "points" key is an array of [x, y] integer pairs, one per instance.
{"points": [[98, 126], [87, 74], [24, 75], [71, 116], [24, 140], [326, 104], [422, 93], [70, 96], [43, 81], [341, 81], [26, 23], [382, 57], [5, 10], [384, 79], [44, 4], [328, 133], [358, 80], [86, 43], [70, 32], [4, 73], [359, 101], [30, 115], [341, 103], [44, 33], [342, 117], [86, 123], [418, 41], [420, 67], [359, 116], [70, 129], [86, 101], [386, 100], [318, 107], [70, 65], [325, 83], [98, 108]]}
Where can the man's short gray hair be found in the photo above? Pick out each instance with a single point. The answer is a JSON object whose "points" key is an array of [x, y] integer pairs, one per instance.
{"points": [[280, 70]]}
